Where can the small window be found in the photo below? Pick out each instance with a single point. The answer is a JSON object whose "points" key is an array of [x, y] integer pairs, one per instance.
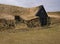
{"points": [[17, 18]]}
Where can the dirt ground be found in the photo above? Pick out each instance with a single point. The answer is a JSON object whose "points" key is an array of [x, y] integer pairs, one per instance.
{"points": [[39, 35]]}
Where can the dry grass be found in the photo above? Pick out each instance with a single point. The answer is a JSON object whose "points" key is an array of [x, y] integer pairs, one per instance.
{"points": [[20, 11], [37, 35]]}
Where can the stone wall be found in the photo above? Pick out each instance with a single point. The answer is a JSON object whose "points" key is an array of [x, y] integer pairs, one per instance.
{"points": [[7, 23]]}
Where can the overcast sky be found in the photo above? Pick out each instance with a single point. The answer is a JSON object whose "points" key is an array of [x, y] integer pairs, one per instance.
{"points": [[50, 5]]}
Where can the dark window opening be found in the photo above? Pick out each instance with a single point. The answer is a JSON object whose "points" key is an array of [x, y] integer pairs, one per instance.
{"points": [[17, 18]]}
